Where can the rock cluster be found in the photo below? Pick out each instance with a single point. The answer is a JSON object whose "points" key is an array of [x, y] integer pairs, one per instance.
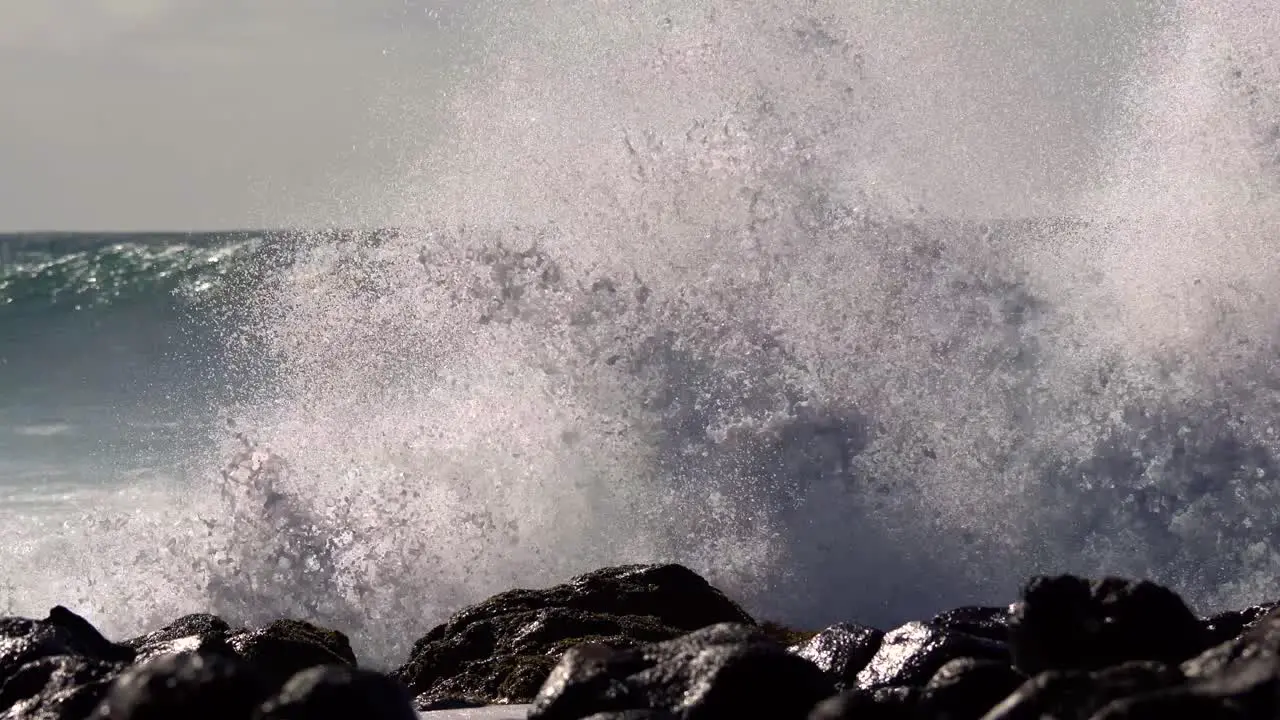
{"points": [[657, 642]]}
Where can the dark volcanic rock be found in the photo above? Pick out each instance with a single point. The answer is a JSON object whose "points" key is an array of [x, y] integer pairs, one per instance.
{"points": [[62, 633], [502, 649], [672, 594], [723, 671], [1229, 625], [1261, 641], [842, 650], [965, 689], [911, 654], [887, 703], [991, 623], [1077, 695], [339, 693], [1248, 688], [189, 633], [57, 687], [192, 686], [1069, 623], [286, 647]]}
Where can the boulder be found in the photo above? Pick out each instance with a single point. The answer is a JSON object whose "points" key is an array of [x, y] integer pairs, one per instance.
{"points": [[190, 633], [1069, 623], [841, 651], [722, 671], [58, 687], [501, 650], [193, 686], [911, 654], [1078, 694], [285, 647], [967, 688], [886, 703], [339, 692], [23, 640]]}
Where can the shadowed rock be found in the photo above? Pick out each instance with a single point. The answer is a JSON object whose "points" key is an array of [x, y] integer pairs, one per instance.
{"points": [[723, 671], [1069, 623], [1077, 695], [285, 647], [967, 688], [337, 692], [24, 640], [61, 687], [193, 686], [887, 703]]}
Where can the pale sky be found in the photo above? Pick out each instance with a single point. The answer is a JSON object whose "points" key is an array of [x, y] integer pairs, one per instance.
{"points": [[212, 114]]}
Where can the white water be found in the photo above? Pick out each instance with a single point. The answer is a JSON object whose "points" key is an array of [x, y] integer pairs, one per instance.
{"points": [[753, 337]]}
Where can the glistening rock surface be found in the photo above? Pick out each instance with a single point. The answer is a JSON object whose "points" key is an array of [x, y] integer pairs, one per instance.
{"points": [[502, 649], [628, 644]]}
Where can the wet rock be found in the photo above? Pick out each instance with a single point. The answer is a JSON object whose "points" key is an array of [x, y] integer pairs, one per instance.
{"points": [[886, 703], [1077, 694], [1249, 688], [723, 671], [1069, 623], [967, 688], [57, 688], [192, 686], [991, 623], [841, 651], [190, 633], [502, 649], [1229, 625], [1259, 642], [672, 594], [339, 692], [911, 654], [285, 647], [24, 640]]}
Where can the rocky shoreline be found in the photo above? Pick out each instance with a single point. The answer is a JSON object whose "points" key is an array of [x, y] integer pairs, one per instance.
{"points": [[657, 642]]}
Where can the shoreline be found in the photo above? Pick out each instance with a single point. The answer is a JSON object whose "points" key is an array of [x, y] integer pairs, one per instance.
{"points": [[659, 642]]}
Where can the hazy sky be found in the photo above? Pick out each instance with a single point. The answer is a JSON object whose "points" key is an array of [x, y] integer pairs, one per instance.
{"points": [[177, 114], [200, 113]]}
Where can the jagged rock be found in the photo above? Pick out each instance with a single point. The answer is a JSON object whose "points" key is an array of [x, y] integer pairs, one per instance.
{"points": [[886, 703], [966, 688], [1229, 625], [911, 654], [189, 633], [1260, 641], [60, 687], [991, 623], [192, 686], [339, 692], [62, 633], [502, 649], [1069, 623], [723, 671], [1249, 688], [842, 650], [285, 647], [1077, 694]]}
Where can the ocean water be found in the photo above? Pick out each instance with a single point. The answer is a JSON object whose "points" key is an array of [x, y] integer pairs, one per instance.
{"points": [[746, 290]]}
